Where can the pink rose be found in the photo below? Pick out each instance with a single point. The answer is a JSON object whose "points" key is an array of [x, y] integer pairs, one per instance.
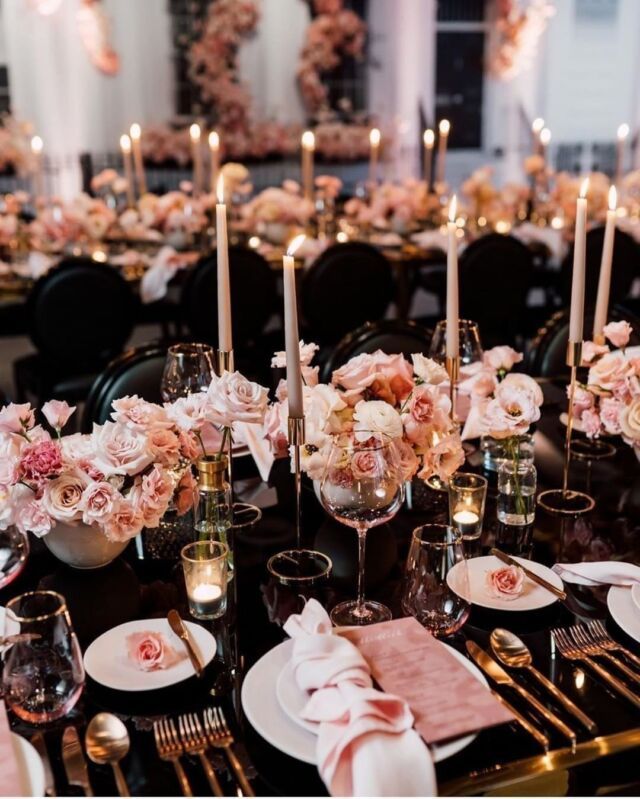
{"points": [[582, 399], [99, 500], [155, 492], [233, 398], [120, 449], [477, 380], [428, 408], [591, 351], [138, 413], [506, 582], [150, 651], [307, 354], [16, 418], [57, 413], [610, 412], [39, 462], [590, 421], [366, 464], [186, 494], [610, 371], [189, 446], [34, 518], [124, 523], [275, 430], [62, 496], [501, 359], [408, 461], [618, 333], [389, 377]]}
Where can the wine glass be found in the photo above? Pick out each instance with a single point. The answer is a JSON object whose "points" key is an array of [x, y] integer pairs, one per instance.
{"points": [[362, 487], [187, 370], [469, 338], [43, 675], [436, 549]]}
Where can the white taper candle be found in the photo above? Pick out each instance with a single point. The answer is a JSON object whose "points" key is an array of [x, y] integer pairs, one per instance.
{"points": [[292, 339], [453, 325], [576, 319], [225, 341], [604, 281]]}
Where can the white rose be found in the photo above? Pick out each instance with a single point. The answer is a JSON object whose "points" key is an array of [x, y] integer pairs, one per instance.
{"points": [[120, 450], [378, 417], [62, 496], [428, 370], [232, 398]]}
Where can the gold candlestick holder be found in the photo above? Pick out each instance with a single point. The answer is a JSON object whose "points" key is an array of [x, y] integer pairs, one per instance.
{"points": [[298, 566], [225, 364], [563, 501]]}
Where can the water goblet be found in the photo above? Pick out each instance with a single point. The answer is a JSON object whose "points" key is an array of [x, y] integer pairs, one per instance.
{"points": [[189, 368], [469, 338], [362, 487]]}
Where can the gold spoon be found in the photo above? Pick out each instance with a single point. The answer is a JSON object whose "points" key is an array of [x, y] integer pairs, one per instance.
{"points": [[514, 653], [107, 741]]}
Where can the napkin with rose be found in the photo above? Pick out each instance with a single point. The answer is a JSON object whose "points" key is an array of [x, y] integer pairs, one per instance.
{"points": [[377, 392], [121, 477]]}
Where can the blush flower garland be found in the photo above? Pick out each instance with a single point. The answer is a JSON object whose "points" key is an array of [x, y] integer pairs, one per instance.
{"points": [[517, 34]]}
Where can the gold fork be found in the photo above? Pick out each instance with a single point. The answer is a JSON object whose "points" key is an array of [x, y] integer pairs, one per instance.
{"points": [[169, 748], [598, 631], [220, 736], [195, 743], [569, 650], [583, 640]]}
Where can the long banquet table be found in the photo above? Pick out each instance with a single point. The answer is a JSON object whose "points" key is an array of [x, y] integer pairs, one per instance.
{"points": [[132, 588]]}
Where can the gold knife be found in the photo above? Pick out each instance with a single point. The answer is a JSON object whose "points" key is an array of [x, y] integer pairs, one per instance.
{"points": [[74, 763], [502, 776], [499, 675], [41, 748], [531, 575], [540, 737], [180, 629]]}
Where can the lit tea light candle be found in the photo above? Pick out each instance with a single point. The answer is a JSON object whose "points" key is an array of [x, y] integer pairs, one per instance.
{"points": [[428, 141], [374, 154], [135, 132], [208, 600], [125, 147], [308, 144], [37, 146], [444, 129], [196, 154], [467, 522]]}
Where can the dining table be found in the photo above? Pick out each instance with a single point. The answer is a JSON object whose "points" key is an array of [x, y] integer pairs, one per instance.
{"points": [[134, 587]]}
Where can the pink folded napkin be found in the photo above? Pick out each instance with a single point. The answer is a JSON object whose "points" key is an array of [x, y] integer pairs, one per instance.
{"points": [[366, 742], [10, 783], [605, 572]]}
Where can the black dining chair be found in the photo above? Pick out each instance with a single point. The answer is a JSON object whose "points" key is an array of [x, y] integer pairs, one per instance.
{"points": [[625, 266], [80, 316], [348, 285], [136, 371], [495, 276], [548, 352], [392, 336]]}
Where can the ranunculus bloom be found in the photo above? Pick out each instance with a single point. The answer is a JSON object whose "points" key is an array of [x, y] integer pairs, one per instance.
{"points": [[57, 413], [16, 418], [618, 333], [428, 370], [137, 413], [232, 398], [502, 359], [98, 502], [378, 417], [120, 449], [506, 582], [40, 461], [61, 498], [150, 651]]}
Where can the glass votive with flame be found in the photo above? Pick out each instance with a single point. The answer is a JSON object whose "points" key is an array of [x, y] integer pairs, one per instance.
{"points": [[205, 575], [467, 496]]}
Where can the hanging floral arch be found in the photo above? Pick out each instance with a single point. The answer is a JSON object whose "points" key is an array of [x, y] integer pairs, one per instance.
{"points": [[517, 33]]}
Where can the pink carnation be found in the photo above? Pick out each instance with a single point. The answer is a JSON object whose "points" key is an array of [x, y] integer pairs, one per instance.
{"points": [[40, 461]]}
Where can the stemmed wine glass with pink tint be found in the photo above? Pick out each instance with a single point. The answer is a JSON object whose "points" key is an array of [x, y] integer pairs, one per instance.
{"points": [[362, 487]]}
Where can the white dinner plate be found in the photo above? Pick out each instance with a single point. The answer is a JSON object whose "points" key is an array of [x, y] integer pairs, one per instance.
{"points": [[624, 611], [30, 768], [635, 595], [533, 596], [106, 660], [273, 708]]}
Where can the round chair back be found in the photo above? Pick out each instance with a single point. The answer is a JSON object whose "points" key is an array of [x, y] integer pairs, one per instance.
{"points": [[253, 297], [80, 313], [348, 285]]}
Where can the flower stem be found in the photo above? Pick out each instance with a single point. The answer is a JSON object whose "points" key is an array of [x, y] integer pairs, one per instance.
{"points": [[514, 447]]}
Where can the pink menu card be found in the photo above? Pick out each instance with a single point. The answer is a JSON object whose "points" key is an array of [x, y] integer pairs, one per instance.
{"points": [[10, 783], [445, 699]]}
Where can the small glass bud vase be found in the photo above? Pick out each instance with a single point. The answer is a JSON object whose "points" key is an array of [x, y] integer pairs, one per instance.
{"points": [[495, 451], [516, 492], [213, 513]]}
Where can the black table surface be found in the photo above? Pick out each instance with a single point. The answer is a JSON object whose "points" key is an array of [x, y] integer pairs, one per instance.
{"points": [[131, 588]]}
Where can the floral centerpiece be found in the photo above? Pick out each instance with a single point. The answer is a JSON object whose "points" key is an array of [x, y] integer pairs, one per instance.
{"points": [[274, 211], [121, 477], [375, 392]]}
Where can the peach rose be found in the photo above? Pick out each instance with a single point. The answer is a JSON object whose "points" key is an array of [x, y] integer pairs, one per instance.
{"points": [[124, 523], [388, 375], [609, 371], [164, 446], [506, 582], [62, 496]]}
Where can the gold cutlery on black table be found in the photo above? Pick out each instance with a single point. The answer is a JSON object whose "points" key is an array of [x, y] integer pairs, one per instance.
{"points": [[74, 763]]}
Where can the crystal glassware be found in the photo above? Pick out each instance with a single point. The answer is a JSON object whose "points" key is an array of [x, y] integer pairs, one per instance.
{"points": [[516, 492], [435, 550], [361, 487], [467, 496], [14, 551], [43, 676], [469, 337], [205, 566], [189, 368]]}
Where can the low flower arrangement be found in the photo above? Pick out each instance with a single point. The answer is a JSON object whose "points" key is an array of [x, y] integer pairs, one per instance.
{"points": [[609, 402], [373, 392], [121, 477], [283, 206]]}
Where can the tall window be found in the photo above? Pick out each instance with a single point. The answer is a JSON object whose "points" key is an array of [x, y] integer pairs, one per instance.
{"points": [[187, 17], [460, 49], [347, 83]]}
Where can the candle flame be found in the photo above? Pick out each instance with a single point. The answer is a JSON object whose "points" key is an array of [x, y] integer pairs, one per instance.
{"points": [[135, 131], [444, 127], [545, 136], [36, 145], [623, 131], [295, 245], [613, 198], [537, 125], [374, 137], [194, 132], [125, 143], [214, 140], [584, 188], [428, 137], [220, 188], [308, 140], [453, 207]]}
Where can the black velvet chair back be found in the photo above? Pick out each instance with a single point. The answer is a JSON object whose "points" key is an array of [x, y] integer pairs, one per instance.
{"points": [[137, 371], [253, 297], [348, 285], [624, 268], [392, 336], [495, 276], [548, 352], [80, 314]]}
